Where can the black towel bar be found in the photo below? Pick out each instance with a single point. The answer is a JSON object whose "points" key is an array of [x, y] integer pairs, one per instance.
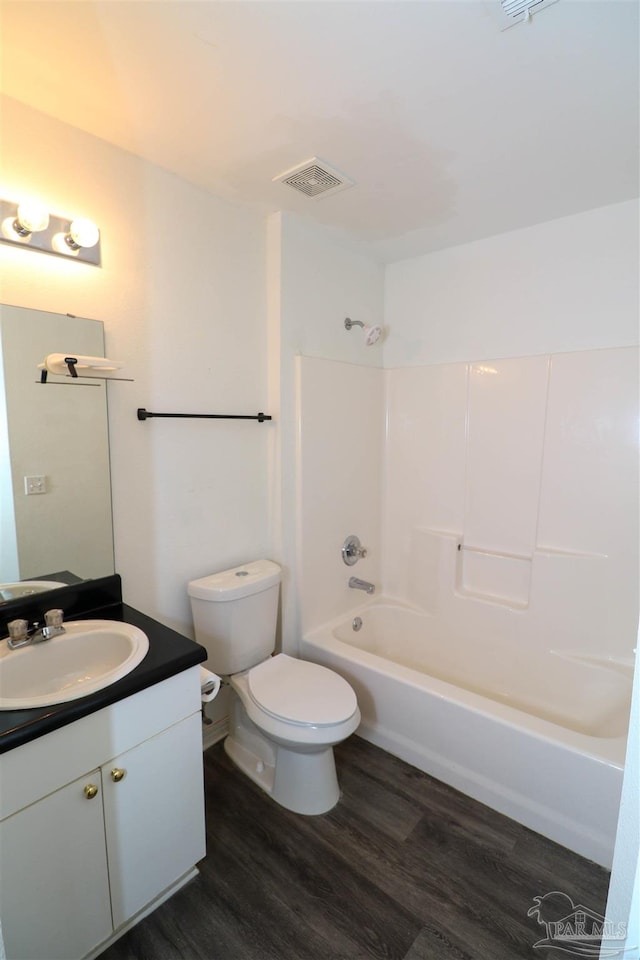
{"points": [[260, 417]]}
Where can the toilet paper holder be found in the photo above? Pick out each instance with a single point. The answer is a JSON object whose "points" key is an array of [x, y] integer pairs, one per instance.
{"points": [[209, 685]]}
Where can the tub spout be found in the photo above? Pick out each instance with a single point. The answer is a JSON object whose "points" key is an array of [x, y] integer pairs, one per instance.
{"points": [[356, 584]]}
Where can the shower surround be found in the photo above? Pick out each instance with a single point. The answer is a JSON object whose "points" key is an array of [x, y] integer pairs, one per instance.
{"points": [[498, 502]]}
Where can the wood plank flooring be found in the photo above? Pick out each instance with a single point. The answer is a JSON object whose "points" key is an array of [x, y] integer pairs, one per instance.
{"points": [[403, 868]]}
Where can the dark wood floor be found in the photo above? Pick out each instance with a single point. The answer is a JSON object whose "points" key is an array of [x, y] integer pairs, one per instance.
{"points": [[403, 868]]}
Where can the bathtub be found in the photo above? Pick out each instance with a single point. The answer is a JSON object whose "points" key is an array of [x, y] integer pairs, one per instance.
{"points": [[539, 738]]}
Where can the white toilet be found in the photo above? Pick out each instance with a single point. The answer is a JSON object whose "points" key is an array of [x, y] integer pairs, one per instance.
{"points": [[288, 713]]}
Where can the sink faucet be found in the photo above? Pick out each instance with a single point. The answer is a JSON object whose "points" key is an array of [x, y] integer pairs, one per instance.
{"points": [[356, 584], [20, 635]]}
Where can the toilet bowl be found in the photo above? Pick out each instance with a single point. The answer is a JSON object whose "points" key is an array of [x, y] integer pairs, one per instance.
{"points": [[286, 719], [286, 714]]}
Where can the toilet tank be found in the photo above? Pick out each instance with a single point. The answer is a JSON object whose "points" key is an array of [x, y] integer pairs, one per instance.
{"points": [[235, 613]]}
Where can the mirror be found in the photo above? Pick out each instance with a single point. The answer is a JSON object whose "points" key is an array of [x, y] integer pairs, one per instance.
{"points": [[55, 489]]}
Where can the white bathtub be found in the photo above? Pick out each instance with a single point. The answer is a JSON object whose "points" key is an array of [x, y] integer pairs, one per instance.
{"points": [[539, 738]]}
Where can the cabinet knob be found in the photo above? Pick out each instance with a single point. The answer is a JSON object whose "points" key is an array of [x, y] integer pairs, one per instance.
{"points": [[117, 774], [90, 791]]}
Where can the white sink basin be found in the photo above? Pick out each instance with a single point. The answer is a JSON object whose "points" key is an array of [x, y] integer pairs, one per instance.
{"points": [[89, 655], [24, 588]]}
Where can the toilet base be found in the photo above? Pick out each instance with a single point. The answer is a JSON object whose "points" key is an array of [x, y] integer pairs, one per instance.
{"points": [[301, 782], [306, 782], [256, 769], [302, 779]]}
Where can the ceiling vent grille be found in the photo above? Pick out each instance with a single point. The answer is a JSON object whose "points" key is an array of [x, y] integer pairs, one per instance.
{"points": [[517, 11], [314, 178]]}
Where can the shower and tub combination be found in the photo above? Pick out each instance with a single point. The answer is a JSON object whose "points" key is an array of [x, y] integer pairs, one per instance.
{"points": [[497, 501]]}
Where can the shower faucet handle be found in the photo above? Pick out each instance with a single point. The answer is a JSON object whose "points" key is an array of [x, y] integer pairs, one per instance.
{"points": [[352, 550]]}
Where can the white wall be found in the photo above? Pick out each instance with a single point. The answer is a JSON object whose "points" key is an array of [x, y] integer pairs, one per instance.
{"points": [[315, 281], [340, 483], [182, 293], [323, 281], [569, 284]]}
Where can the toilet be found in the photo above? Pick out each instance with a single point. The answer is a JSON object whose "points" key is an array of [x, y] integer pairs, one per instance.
{"points": [[286, 714]]}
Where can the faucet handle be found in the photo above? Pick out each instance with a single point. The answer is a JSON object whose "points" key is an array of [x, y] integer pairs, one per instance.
{"points": [[54, 618], [352, 550], [18, 630]]}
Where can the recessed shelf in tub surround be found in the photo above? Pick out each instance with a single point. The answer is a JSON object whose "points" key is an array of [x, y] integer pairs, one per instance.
{"points": [[441, 561], [493, 576]]}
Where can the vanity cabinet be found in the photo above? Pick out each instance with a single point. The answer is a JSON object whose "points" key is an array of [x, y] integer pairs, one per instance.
{"points": [[55, 888], [153, 797], [87, 849]]}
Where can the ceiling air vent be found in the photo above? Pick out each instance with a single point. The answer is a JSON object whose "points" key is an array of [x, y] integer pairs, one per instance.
{"points": [[517, 11], [314, 178]]}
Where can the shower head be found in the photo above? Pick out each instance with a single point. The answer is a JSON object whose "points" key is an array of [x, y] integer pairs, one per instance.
{"points": [[371, 334]]}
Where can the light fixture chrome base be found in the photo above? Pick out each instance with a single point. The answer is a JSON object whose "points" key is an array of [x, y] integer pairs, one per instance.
{"points": [[51, 240], [21, 231]]}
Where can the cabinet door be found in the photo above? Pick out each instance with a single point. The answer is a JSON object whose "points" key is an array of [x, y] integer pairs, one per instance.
{"points": [[154, 816], [54, 889]]}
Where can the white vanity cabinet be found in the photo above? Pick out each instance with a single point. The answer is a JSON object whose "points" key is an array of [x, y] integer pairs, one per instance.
{"points": [[54, 881], [150, 815], [100, 821]]}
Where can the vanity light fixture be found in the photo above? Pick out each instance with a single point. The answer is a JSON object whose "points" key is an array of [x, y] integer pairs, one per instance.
{"points": [[82, 233], [29, 225], [31, 217]]}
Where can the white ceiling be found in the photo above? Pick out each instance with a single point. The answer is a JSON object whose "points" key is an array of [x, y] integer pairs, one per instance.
{"points": [[451, 128]]}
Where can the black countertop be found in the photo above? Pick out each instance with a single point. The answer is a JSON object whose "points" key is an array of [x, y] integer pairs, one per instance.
{"points": [[169, 653]]}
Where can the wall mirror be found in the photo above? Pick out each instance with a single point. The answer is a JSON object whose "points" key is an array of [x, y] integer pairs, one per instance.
{"points": [[55, 488]]}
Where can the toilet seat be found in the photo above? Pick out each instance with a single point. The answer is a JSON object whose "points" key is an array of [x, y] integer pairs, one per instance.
{"points": [[300, 693]]}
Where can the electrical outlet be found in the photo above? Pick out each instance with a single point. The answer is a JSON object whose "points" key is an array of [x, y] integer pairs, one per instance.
{"points": [[33, 485]]}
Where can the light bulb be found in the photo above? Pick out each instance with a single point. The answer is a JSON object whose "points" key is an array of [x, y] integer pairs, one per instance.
{"points": [[82, 233], [32, 217]]}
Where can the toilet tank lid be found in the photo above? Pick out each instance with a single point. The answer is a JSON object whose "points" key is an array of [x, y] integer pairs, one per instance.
{"points": [[236, 583]]}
